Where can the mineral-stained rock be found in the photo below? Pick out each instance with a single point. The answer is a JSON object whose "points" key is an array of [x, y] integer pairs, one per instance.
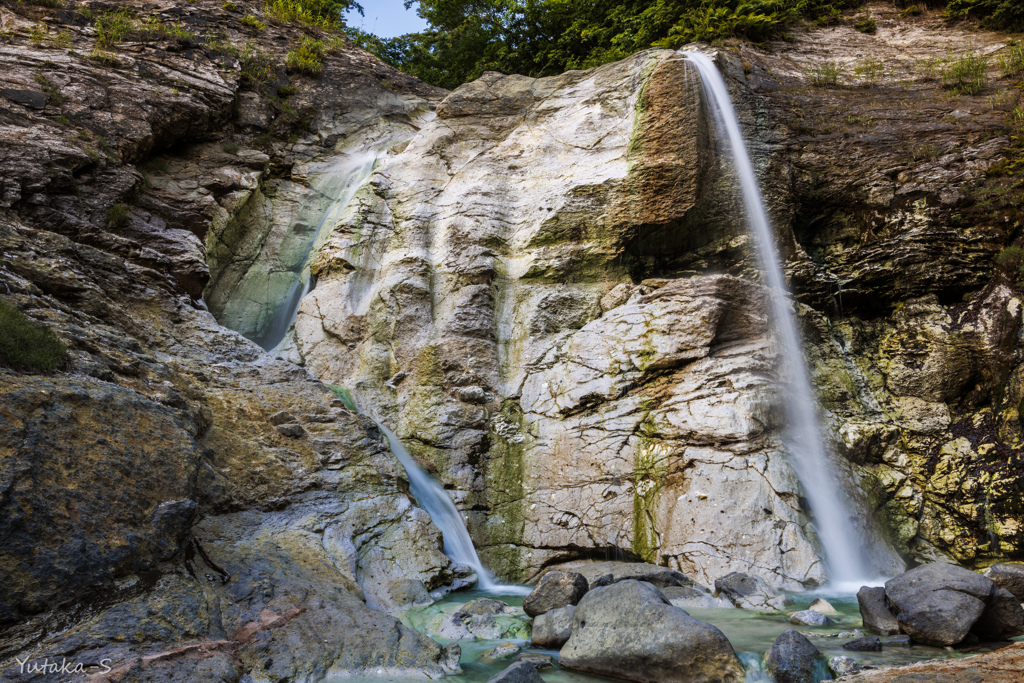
{"points": [[1009, 576], [937, 604], [875, 612], [791, 658], [628, 630], [750, 592], [555, 590], [553, 628], [1000, 666]]}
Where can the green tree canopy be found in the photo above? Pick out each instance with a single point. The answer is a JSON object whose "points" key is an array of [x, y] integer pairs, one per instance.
{"points": [[465, 38]]}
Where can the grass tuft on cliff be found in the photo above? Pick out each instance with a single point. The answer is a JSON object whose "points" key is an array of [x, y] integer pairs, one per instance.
{"points": [[307, 57], [26, 346], [322, 14]]}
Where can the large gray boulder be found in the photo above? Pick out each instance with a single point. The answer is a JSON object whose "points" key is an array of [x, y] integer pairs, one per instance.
{"points": [[629, 630], [875, 612], [1003, 617], [555, 589], [553, 628], [791, 658], [519, 672], [937, 604], [750, 592], [1009, 576]]}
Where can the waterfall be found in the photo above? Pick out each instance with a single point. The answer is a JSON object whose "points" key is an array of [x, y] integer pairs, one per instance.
{"points": [[809, 455], [432, 498], [338, 184]]}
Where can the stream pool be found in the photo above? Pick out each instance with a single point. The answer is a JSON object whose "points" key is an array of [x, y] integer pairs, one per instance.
{"points": [[751, 634]]}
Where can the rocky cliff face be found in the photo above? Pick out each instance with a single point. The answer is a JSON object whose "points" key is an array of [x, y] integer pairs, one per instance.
{"points": [[524, 325], [542, 285], [124, 170]]}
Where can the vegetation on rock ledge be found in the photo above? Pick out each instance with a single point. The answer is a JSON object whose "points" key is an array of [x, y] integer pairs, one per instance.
{"points": [[27, 346]]}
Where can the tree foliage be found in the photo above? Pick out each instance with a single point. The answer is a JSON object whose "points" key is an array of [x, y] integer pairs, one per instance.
{"points": [[465, 38]]}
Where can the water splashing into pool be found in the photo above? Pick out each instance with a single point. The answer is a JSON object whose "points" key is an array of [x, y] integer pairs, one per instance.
{"points": [[809, 455]]}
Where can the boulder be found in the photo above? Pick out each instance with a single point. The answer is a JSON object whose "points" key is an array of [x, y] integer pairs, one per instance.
{"points": [[937, 604], [1003, 617], [500, 651], [897, 641], [750, 592], [519, 672], [607, 572], [809, 617], [695, 596], [1009, 576], [791, 658], [538, 659], [822, 605], [629, 630], [841, 666], [553, 628], [555, 589], [867, 644], [875, 611]]}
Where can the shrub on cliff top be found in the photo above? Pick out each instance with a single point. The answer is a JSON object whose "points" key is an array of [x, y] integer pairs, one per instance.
{"points": [[307, 57], [26, 346], [324, 14]]}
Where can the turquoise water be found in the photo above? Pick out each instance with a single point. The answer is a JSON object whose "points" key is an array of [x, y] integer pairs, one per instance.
{"points": [[751, 634]]}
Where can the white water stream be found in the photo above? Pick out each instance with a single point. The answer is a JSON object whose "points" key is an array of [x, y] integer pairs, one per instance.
{"points": [[843, 545], [339, 184], [432, 498]]}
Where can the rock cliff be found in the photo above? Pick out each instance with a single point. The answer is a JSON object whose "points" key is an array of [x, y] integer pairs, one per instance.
{"points": [[543, 285]]}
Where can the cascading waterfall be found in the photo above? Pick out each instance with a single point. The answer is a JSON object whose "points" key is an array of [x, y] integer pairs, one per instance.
{"points": [[339, 184], [809, 455], [432, 498]]}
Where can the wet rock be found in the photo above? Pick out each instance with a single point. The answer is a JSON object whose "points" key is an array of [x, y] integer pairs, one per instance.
{"points": [[501, 651], [1010, 576], [607, 572], [809, 617], [695, 596], [750, 592], [875, 612], [842, 666], [630, 631], [822, 605], [554, 590], [291, 430], [867, 644], [519, 672], [452, 657], [538, 659], [791, 658], [1002, 619], [937, 604], [553, 628], [897, 641]]}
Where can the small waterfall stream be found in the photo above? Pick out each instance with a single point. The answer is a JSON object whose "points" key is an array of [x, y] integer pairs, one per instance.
{"points": [[806, 446], [339, 183], [432, 498]]}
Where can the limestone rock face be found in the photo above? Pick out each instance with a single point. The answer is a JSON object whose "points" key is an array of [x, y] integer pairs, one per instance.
{"points": [[630, 631]]}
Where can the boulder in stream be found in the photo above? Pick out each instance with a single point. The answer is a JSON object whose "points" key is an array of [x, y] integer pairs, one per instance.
{"points": [[938, 604], [629, 630], [875, 612], [750, 592], [555, 589], [842, 666], [553, 628], [809, 617], [791, 658], [1010, 576], [519, 672], [1002, 619]]}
